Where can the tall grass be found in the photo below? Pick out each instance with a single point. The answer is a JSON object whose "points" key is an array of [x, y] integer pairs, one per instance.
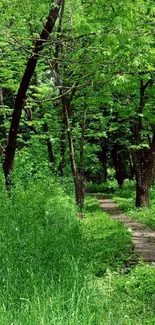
{"points": [[57, 269], [43, 277], [39, 262]]}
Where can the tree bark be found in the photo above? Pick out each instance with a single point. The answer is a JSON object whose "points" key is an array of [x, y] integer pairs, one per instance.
{"points": [[144, 171], [20, 98], [71, 149], [143, 158], [142, 196], [66, 103]]}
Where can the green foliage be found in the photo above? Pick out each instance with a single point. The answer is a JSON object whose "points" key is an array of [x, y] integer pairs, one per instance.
{"points": [[126, 198], [129, 298], [54, 268], [57, 269], [101, 231], [105, 48], [107, 187], [44, 256]]}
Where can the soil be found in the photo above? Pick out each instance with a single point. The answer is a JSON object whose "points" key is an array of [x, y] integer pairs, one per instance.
{"points": [[142, 236]]}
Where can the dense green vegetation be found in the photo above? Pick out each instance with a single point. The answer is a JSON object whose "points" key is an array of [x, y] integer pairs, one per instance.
{"points": [[77, 98], [79, 80], [125, 199], [59, 269]]}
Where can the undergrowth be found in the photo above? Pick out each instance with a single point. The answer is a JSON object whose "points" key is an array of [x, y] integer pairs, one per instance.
{"points": [[126, 200], [57, 269], [125, 197], [106, 243], [107, 187]]}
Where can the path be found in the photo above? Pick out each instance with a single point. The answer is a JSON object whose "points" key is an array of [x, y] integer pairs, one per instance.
{"points": [[142, 236]]}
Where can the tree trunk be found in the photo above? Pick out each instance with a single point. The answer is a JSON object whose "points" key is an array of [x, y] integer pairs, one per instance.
{"points": [[142, 195], [20, 98], [72, 154], [144, 166], [66, 102], [143, 158], [142, 181]]}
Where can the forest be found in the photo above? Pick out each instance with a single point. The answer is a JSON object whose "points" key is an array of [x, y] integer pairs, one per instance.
{"points": [[77, 128]]}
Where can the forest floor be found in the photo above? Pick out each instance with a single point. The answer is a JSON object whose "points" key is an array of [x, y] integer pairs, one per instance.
{"points": [[142, 236]]}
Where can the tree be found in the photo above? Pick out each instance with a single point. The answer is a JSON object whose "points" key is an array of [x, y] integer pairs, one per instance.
{"points": [[20, 98], [94, 62], [143, 153]]}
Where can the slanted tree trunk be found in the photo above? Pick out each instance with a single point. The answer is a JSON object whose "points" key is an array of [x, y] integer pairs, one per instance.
{"points": [[65, 100], [78, 180], [79, 189], [68, 100], [20, 98], [143, 158], [71, 147], [78, 176]]}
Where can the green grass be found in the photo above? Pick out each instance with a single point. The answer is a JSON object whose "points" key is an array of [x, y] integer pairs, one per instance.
{"points": [[128, 299], [57, 269], [126, 200], [106, 243], [107, 187]]}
